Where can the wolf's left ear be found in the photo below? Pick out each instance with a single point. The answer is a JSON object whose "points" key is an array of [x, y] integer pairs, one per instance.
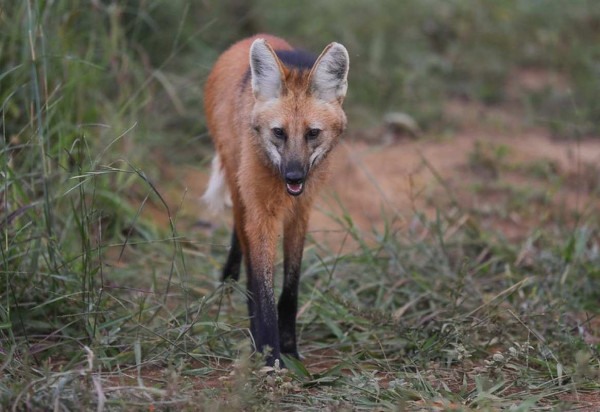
{"points": [[329, 76]]}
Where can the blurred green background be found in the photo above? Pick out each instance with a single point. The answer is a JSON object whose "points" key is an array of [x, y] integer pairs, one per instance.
{"points": [[107, 61]]}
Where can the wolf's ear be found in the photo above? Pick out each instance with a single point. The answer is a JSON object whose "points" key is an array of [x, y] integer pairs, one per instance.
{"points": [[329, 76], [266, 71]]}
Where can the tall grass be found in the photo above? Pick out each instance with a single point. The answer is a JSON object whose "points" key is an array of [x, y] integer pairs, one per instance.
{"points": [[102, 308]]}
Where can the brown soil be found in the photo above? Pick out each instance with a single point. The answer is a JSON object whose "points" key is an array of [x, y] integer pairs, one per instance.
{"points": [[375, 181]]}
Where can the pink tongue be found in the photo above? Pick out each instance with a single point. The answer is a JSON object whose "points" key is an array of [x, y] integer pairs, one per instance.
{"points": [[294, 187]]}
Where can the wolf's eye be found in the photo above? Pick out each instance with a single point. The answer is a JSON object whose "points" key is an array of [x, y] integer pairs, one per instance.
{"points": [[279, 133], [313, 133]]}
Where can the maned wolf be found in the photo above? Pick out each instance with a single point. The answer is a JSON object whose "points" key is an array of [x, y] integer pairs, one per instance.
{"points": [[274, 114]]}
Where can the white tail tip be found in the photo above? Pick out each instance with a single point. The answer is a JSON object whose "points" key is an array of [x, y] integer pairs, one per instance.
{"points": [[217, 194]]}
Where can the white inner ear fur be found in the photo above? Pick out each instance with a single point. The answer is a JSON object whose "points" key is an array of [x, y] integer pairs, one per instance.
{"points": [[329, 78], [265, 71]]}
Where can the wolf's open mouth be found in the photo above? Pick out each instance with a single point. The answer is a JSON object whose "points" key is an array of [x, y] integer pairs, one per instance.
{"points": [[294, 189]]}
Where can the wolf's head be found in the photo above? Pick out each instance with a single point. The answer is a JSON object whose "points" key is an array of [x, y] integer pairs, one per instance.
{"points": [[297, 113]]}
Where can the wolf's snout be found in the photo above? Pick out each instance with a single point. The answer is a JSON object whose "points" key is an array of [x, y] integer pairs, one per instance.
{"points": [[294, 180]]}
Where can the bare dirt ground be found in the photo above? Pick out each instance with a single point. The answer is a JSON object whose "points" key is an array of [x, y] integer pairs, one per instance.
{"points": [[492, 163]]}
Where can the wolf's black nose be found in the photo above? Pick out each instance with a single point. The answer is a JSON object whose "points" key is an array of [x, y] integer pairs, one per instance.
{"points": [[294, 176]]}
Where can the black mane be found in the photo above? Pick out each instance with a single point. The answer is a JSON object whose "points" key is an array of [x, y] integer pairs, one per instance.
{"points": [[296, 59]]}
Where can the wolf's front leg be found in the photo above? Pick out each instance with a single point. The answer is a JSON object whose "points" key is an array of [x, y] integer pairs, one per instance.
{"points": [[262, 240]]}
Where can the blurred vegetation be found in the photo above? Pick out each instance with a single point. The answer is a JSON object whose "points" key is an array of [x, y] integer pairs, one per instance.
{"points": [[412, 56], [92, 91]]}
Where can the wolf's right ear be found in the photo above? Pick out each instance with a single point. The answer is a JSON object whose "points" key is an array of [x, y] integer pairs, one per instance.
{"points": [[266, 71]]}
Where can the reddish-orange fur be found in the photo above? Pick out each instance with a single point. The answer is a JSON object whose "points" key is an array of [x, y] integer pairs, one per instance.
{"points": [[261, 203]]}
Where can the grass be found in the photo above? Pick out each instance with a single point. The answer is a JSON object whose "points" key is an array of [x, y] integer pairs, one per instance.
{"points": [[103, 307]]}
